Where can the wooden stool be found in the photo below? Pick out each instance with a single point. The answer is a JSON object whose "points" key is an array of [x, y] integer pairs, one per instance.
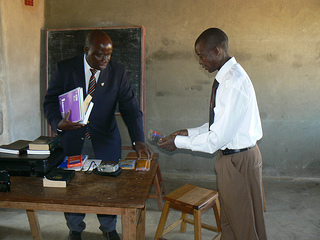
{"points": [[193, 200]]}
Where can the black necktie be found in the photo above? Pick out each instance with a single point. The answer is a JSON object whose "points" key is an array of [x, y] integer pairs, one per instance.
{"points": [[91, 89], [212, 101]]}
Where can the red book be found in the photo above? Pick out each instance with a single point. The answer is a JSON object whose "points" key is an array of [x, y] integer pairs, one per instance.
{"points": [[74, 161]]}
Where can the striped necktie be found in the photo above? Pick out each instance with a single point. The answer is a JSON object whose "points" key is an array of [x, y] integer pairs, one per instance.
{"points": [[92, 82], [91, 89], [213, 102]]}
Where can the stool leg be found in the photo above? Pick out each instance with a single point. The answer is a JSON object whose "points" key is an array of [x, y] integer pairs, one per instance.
{"points": [[216, 210], [197, 225], [163, 219], [183, 227]]}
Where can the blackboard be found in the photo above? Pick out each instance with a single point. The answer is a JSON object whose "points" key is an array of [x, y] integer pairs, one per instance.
{"points": [[128, 49]]}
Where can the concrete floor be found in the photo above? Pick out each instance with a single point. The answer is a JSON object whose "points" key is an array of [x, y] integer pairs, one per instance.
{"points": [[293, 213]]}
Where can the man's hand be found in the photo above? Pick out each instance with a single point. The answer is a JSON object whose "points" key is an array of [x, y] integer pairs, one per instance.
{"points": [[141, 147], [183, 132], [66, 125], [168, 142]]}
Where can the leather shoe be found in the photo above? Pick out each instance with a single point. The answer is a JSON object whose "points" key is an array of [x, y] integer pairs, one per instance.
{"points": [[74, 235], [113, 235]]}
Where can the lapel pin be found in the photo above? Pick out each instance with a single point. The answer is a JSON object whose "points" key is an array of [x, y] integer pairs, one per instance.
{"points": [[102, 84]]}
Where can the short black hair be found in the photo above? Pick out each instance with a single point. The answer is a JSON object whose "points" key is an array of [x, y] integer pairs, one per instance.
{"points": [[91, 36], [213, 37]]}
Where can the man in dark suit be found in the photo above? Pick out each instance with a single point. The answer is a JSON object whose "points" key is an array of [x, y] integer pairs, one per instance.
{"points": [[107, 82]]}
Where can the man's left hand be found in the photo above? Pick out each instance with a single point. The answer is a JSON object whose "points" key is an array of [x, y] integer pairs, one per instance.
{"points": [[143, 147]]}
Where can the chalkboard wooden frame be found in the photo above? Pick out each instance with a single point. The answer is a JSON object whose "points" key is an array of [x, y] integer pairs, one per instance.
{"points": [[128, 49]]}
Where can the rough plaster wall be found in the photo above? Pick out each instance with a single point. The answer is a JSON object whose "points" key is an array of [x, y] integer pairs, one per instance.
{"points": [[4, 135], [276, 41], [20, 69]]}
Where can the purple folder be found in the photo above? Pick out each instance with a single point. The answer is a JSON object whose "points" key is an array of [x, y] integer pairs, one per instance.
{"points": [[72, 100]]}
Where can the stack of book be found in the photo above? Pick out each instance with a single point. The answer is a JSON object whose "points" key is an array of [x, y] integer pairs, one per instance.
{"points": [[73, 101], [43, 145], [18, 147], [143, 164], [75, 162]]}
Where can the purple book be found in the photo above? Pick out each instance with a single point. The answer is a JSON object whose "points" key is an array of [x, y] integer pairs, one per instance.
{"points": [[72, 100]]}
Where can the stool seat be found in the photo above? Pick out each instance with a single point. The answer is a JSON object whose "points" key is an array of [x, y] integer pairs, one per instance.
{"points": [[192, 200]]}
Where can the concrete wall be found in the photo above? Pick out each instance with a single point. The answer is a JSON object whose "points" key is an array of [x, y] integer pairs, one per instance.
{"points": [[20, 40], [276, 41]]}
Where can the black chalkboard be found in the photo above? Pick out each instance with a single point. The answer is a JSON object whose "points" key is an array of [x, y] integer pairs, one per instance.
{"points": [[128, 49]]}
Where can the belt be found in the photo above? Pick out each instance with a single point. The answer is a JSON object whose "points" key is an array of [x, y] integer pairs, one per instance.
{"points": [[233, 151]]}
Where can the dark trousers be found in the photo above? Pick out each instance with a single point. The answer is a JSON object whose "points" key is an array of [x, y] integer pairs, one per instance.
{"points": [[240, 191], [75, 220]]}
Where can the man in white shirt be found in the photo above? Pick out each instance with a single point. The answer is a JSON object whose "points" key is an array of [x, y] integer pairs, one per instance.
{"points": [[234, 129]]}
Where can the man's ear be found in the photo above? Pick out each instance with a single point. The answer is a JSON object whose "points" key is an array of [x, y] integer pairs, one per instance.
{"points": [[86, 50], [216, 50]]}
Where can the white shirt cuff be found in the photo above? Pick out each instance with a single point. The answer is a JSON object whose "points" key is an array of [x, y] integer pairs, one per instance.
{"points": [[181, 141], [193, 131]]}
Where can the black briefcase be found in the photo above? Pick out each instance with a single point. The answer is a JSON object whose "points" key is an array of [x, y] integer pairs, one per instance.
{"points": [[30, 164]]}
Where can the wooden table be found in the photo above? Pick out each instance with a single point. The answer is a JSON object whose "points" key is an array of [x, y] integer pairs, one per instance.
{"points": [[124, 195]]}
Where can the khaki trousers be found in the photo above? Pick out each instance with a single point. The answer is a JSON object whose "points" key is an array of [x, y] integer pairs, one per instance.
{"points": [[240, 191]]}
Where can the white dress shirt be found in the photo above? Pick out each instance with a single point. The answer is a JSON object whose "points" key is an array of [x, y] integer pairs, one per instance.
{"points": [[88, 73], [237, 121]]}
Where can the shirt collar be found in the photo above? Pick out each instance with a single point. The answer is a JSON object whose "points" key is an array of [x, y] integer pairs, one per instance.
{"points": [[225, 68]]}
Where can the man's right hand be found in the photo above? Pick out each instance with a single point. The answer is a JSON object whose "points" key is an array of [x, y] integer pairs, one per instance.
{"points": [[66, 125], [168, 142]]}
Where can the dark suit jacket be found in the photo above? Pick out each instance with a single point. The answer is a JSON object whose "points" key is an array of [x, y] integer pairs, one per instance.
{"points": [[112, 88]]}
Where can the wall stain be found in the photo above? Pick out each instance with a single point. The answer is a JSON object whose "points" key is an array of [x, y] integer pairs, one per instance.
{"points": [[162, 55], [318, 51], [263, 115], [243, 56], [162, 93], [166, 41], [296, 65], [194, 87], [204, 82], [271, 57]]}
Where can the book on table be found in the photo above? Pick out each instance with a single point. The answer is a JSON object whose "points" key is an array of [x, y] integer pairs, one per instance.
{"points": [[18, 147], [143, 165], [75, 162], [43, 143], [58, 178], [39, 152], [79, 109], [127, 164]]}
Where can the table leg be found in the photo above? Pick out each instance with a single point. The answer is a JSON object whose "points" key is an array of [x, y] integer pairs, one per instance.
{"points": [[141, 224], [34, 224], [157, 187], [129, 224]]}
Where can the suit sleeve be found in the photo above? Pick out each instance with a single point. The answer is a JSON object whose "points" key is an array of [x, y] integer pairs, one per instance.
{"points": [[130, 111], [51, 102]]}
